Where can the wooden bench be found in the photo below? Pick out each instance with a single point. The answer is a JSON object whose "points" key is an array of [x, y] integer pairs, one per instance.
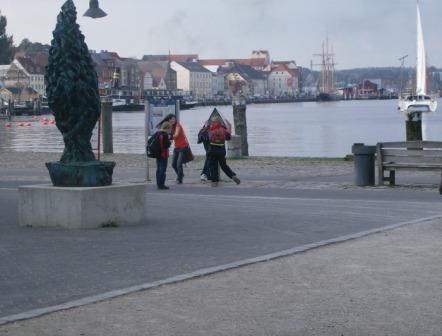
{"points": [[409, 155]]}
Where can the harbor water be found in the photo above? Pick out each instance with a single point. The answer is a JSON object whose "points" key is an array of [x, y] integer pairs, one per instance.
{"points": [[293, 129]]}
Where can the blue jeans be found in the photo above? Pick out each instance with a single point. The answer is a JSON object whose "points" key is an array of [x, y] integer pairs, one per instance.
{"points": [[206, 162], [161, 171], [177, 163]]}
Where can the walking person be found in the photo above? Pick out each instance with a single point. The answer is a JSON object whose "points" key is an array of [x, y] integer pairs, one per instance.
{"points": [[218, 134], [203, 138], [181, 146], [162, 159]]}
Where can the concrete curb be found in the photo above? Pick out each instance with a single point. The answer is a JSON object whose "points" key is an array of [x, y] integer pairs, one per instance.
{"points": [[203, 272]]}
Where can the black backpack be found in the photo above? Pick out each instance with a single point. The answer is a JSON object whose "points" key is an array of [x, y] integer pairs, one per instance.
{"points": [[153, 147]]}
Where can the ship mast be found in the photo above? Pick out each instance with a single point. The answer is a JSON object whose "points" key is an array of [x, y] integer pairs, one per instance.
{"points": [[326, 82]]}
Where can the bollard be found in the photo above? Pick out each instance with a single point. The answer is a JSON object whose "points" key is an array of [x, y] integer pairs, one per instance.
{"points": [[413, 126], [364, 159], [106, 123], [234, 146], [240, 122]]}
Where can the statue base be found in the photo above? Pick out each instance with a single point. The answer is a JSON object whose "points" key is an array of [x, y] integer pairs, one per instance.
{"points": [[120, 204], [81, 174]]}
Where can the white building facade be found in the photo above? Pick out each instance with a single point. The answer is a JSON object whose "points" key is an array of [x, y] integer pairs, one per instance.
{"points": [[283, 81], [193, 77]]}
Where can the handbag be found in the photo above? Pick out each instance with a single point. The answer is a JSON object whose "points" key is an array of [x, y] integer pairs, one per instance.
{"points": [[187, 155]]}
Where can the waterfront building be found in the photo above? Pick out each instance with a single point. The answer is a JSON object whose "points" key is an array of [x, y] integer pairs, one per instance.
{"points": [[15, 83], [13, 75], [367, 89], [157, 75], [171, 58], [218, 80], [5, 94], [106, 64], [193, 77], [35, 71], [130, 79], [251, 81], [260, 59], [284, 79], [117, 76], [20, 94]]}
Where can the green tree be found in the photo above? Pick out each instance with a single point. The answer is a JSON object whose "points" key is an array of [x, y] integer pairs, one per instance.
{"points": [[6, 42], [72, 87], [29, 47]]}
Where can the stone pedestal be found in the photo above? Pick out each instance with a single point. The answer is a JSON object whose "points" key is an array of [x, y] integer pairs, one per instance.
{"points": [[82, 208]]}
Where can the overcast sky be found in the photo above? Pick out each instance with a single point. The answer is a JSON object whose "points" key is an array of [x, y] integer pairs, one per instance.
{"points": [[363, 32]]}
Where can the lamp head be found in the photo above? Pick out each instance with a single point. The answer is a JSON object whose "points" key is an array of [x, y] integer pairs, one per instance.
{"points": [[94, 10]]}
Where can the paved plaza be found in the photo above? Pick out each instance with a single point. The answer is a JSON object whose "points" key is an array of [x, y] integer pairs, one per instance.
{"points": [[194, 230]]}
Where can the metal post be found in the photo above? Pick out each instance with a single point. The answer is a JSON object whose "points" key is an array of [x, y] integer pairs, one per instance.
{"points": [[177, 109], [99, 139], [11, 108], [106, 122], [146, 134]]}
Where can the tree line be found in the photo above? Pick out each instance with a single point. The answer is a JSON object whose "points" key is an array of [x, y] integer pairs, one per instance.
{"points": [[7, 47]]}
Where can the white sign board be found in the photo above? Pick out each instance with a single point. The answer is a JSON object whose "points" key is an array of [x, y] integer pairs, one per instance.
{"points": [[156, 113]]}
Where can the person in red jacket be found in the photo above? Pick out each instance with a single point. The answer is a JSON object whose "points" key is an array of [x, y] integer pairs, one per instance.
{"points": [[181, 145], [218, 134]]}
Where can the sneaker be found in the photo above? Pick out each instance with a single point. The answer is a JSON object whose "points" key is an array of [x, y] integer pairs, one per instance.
{"points": [[203, 178], [163, 187], [179, 181], [236, 179], [214, 184]]}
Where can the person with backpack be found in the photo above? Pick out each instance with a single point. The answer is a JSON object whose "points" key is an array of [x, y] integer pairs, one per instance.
{"points": [[218, 134], [182, 147], [158, 147]]}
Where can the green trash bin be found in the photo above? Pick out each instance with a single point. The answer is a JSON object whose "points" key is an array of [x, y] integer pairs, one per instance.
{"points": [[364, 159]]}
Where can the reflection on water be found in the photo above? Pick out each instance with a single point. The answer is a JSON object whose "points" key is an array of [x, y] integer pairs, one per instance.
{"points": [[296, 129]]}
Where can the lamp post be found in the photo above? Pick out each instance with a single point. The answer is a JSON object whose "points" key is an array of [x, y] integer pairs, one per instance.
{"points": [[105, 120], [94, 10]]}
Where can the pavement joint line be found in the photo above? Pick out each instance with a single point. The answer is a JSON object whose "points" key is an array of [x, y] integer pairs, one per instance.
{"points": [[204, 272], [279, 198], [9, 189]]}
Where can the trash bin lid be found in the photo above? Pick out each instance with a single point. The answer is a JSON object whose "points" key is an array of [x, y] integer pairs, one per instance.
{"points": [[361, 149]]}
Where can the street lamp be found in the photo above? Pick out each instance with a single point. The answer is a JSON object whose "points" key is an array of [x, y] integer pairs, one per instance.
{"points": [[94, 10]]}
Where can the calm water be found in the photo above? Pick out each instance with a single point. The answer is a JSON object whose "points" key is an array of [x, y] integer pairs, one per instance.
{"points": [[294, 129]]}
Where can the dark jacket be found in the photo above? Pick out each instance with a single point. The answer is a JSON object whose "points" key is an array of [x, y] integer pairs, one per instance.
{"points": [[203, 136], [164, 144]]}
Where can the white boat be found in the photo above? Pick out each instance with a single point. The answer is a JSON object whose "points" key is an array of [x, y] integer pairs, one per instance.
{"points": [[420, 101], [118, 102]]}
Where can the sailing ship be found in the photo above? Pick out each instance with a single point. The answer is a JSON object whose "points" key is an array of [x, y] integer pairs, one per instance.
{"points": [[327, 77], [419, 101]]}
